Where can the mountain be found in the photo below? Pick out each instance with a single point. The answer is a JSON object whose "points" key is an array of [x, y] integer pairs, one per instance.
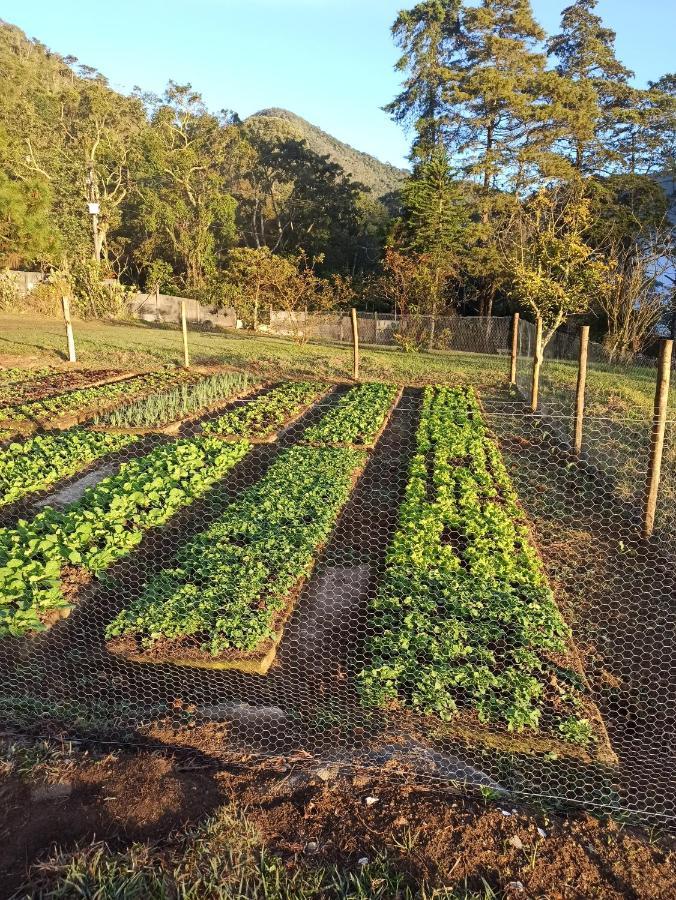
{"points": [[381, 177]]}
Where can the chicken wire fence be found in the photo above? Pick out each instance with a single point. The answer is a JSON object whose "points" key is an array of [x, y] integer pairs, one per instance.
{"points": [[424, 580]]}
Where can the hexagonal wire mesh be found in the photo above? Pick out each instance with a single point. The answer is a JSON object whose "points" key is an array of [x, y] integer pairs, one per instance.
{"points": [[426, 580]]}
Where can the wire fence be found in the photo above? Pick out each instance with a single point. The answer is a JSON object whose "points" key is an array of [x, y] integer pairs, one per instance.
{"points": [[429, 580]]}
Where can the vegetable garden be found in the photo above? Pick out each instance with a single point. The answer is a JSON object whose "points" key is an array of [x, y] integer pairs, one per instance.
{"points": [[416, 576]]}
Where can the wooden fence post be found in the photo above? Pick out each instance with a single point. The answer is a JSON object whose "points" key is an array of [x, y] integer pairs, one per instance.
{"points": [[515, 348], [184, 326], [355, 344], [537, 365], [65, 305], [578, 423], [657, 436]]}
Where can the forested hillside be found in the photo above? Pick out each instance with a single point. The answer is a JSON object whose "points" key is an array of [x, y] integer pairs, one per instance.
{"points": [[181, 191], [537, 173], [382, 178]]}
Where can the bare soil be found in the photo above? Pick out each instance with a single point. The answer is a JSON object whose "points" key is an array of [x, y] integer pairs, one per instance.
{"points": [[320, 816]]}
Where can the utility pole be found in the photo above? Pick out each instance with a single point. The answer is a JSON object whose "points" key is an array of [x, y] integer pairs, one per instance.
{"points": [[94, 209]]}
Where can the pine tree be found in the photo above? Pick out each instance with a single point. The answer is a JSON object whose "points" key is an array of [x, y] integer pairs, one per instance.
{"points": [[436, 227], [427, 36], [436, 213], [585, 50]]}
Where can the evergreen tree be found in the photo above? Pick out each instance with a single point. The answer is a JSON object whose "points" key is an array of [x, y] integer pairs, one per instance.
{"points": [[428, 37], [436, 212], [585, 51]]}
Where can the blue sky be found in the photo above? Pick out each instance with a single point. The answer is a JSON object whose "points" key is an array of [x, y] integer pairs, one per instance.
{"points": [[330, 61]]}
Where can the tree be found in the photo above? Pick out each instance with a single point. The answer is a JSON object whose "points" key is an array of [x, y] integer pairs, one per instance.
{"points": [[26, 236], [585, 54], [436, 225], [257, 280], [293, 199], [554, 273], [183, 210], [634, 295], [427, 36], [624, 208]]}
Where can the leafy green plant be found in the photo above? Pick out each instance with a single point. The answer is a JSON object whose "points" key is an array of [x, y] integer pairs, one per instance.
{"points": [[265, 414], [40, 461], [231, 581], [357, 417], [464, 618], [106, 524], [164, 407], [76, 401]]}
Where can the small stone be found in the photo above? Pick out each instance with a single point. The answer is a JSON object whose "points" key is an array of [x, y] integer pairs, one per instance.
{"points": [[505, 812], [542, 832], [311, 846], [363, 861], [516, 842], [516, 886], [51, 792], [371, 801]]}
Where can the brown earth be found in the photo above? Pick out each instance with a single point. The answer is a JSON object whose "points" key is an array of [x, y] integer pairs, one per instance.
{"points": [[321, 816]]}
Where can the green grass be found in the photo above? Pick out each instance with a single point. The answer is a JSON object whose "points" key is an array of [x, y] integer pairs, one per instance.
{"points": [[611, 390], [223, 858], [136, 345]]}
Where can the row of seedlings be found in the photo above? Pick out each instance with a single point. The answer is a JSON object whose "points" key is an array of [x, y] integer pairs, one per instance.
{"points": [[358, 419], [38, 462], [45, 560], [19, 386], [73, 407], [464, 626], [225, 602], [262, 418], [168, 410]]}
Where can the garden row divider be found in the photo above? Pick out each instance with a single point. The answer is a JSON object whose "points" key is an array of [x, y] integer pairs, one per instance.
{"points": [[345, 445], [251, 663]]}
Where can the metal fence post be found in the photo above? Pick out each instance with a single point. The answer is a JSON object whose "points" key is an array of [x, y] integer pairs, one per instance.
{"points": [[184, 327], [578, 423], [65, 305], [355, 344], [537, 366], [515, 348], [657, 436]]}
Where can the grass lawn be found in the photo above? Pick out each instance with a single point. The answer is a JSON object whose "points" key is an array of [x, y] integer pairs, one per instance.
{"points": [[139, 345], [612, 391]]}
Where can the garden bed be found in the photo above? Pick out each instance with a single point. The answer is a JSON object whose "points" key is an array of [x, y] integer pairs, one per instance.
{"points": [[39, 385], [466, 628], [41, 461], [77, 406], [358, 420], [166, 412], [225, 604], [261, 419], [43, 562]]}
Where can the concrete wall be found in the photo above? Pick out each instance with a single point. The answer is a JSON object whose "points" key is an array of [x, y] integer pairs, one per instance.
{"points": [[25, 281], [166, 308]]}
